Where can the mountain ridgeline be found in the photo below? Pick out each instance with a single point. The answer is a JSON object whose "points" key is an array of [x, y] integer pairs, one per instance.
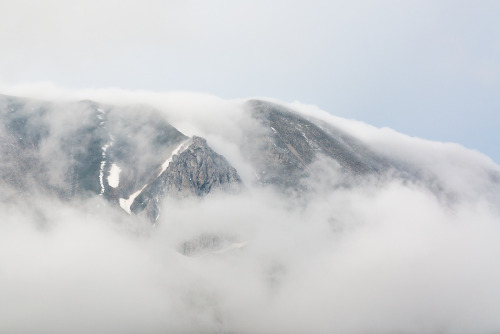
{"points": [[134, 158], [130, 156]]}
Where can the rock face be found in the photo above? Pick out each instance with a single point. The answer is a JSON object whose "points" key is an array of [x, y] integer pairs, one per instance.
{"points": [[130, 156], [287, 144], [199, 170], [20, 135], [196, 171], [134, 158]]}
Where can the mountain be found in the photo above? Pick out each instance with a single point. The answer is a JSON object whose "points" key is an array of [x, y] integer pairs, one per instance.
{"points": [[289, 144], [130, 156], [194, 214], [134, 158]]}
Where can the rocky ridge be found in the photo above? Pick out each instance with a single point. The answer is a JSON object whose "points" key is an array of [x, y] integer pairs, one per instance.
{"points": [[132, 157]]}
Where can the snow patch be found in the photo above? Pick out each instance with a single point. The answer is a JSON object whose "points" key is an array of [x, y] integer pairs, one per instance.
{"points": [[114, 176], [127, 203]]}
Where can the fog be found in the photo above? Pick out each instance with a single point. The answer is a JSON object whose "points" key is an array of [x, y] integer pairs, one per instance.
{"points": [[381, 256]]}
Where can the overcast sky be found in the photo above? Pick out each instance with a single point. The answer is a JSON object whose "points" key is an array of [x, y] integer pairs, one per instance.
{"points": [[425, 68]]}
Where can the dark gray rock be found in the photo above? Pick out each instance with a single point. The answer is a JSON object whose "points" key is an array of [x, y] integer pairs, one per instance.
{"points": [[196, 171], [69, 148], [22, 129], [287, 145], [199, 170], [207, 242]]}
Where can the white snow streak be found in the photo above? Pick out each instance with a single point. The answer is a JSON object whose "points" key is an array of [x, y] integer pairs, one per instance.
{"points": [[179, 149], [236, 245], [101, 171], [126, 203]]}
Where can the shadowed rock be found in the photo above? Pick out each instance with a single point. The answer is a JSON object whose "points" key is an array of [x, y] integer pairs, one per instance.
{"points": [[288, 144], [196, 171]]}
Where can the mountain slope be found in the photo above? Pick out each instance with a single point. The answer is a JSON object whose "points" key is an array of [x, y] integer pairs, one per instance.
{"points": [[196, 171], [84, 149], [133, 157], [288, 144]]}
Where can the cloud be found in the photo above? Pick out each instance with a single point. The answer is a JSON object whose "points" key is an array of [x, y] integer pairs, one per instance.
{"points": [[362, 260], [379, 256]]}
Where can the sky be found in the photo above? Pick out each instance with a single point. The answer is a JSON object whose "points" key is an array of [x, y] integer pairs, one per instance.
{"points": [[429, 69]]}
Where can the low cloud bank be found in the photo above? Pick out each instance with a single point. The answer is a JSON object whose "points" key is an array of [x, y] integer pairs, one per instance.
{"points": [[377, 257], [371, 259]]}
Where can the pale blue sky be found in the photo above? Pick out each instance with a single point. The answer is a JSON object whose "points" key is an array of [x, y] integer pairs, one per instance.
{"points": [[425, 68]]}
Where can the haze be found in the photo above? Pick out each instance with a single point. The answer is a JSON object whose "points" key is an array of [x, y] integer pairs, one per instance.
{"points": [[380, 256]]}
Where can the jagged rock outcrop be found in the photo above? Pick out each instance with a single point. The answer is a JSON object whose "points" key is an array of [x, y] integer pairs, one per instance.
{"points": [[199, 170], [288, 143], [196, 171]]}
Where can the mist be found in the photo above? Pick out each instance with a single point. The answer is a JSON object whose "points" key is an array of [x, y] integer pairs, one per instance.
{"points": [[382, 255]]}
